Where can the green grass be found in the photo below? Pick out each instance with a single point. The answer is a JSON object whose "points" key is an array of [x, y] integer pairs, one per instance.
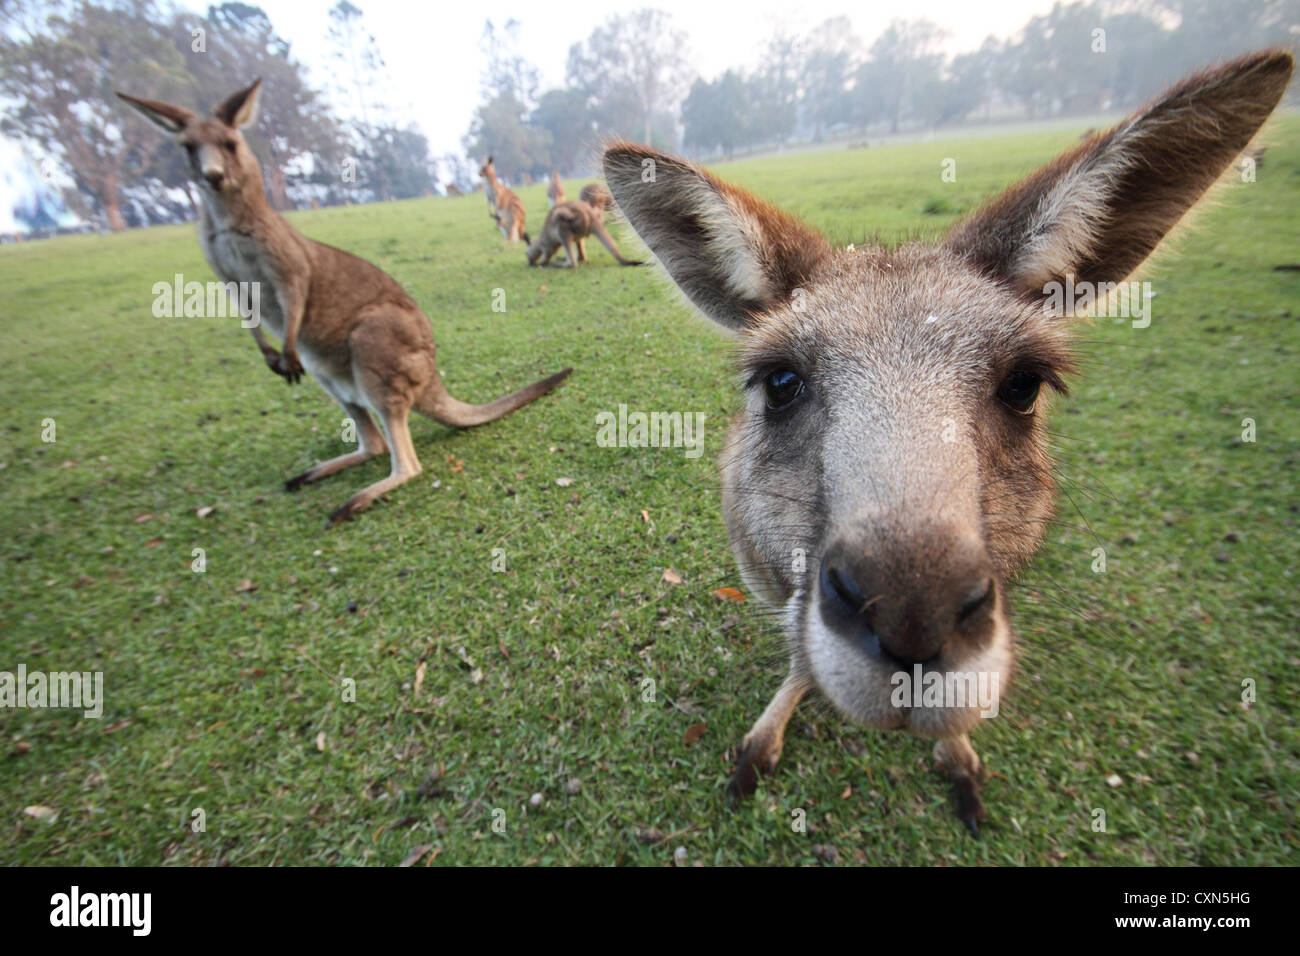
{"points": [[215, 697]]}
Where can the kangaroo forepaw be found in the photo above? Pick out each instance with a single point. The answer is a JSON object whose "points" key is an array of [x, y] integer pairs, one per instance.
{"points": [[967, 803], [752, 759]]}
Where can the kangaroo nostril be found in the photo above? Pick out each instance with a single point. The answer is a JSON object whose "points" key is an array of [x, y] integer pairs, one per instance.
{"points": [[841, 585], [979, 597]]}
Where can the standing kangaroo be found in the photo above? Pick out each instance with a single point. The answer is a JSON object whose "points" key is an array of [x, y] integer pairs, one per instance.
{"points": [[569, 224], [893, 429], [504, 206], [554, 190], [357, 332]]}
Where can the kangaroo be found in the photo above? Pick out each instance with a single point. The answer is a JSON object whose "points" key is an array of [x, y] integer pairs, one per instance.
{"points": [[569, 224], [596, 196], [554, 190], [889, 471], [504, 206], [350, 325]]}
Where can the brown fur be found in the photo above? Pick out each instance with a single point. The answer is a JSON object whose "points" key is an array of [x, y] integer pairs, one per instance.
{"points": [[357, 331], [596, 196], [893, 432], [503, 205], [554, 190], [568, 225]]}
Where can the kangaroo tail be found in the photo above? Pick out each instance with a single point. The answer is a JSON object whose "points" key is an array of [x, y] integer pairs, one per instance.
{"points": [[603, 235], [437, 403]]}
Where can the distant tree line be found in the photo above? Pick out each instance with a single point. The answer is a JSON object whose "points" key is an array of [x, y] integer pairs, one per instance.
{"points": [[62, 60], [632, 78]]}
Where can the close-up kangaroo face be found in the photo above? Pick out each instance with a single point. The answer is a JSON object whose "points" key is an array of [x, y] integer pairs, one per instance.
{"points": [[218, 158], [888, 471]]}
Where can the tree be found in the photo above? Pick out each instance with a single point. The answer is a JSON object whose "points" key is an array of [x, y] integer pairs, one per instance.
{"points": [[903, 71], [357, 55], [499, 130], [62, 81], [774, 90], [508, 72], [562, 116], [633, 68], [824, 75], [296, 138], [717, 115]]}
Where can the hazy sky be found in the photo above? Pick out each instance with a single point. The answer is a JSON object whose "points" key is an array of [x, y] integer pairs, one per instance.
{"points": [[434, 59]]}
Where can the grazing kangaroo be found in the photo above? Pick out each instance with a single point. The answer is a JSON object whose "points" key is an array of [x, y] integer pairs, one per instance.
{"points": [[358, 333], [505, 207], [892, 439], [569, 224], [554, 190]]}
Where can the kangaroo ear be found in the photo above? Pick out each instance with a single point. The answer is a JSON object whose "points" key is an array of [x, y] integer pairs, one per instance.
{"points": [[239, 109], [168, 118], [1100, 210], [732, 254]]}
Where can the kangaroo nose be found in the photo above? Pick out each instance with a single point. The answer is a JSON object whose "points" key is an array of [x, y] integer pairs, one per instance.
{"points": [[214, 176], [908, 602]]}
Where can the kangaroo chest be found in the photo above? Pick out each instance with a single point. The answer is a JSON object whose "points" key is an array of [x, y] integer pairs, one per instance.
{"points": [[237, 256]]}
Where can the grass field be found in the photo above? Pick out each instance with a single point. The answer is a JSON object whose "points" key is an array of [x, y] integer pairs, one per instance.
{"points": [[476, 689]]}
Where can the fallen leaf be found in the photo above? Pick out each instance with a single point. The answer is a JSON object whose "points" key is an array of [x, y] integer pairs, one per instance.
{"points": [[141, 519], [419, 676], [848, 792], [729, 594], [416, 853], [41, 812], [457, 464], [206, 510], [645, 516], [320, 741], [153, 542], [564, 482], [245, 586], [671, 576], [694, 732]]}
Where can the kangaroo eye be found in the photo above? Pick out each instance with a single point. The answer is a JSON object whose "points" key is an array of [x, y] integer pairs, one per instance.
{"points": [[1019, 390], [783, 386]]}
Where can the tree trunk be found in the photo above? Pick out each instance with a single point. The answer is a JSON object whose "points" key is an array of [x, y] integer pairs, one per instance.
{"points": [[112, 207]]}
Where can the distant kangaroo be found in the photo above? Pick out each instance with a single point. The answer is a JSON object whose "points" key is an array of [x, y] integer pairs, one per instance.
{"points": [[505, 206], [596, 196], [358, 333], [554, 190], [889, 471], [569, 224]]}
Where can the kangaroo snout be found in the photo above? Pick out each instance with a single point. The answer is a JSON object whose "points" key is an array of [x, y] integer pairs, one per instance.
{"points": [[906, 601]]}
